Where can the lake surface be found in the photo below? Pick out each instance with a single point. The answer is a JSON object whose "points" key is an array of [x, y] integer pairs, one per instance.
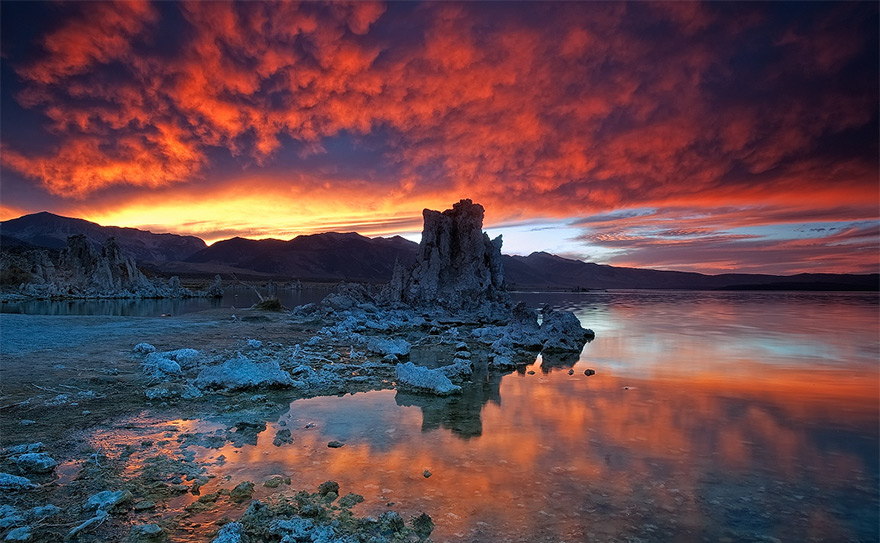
{"points": [[236, 296], [711, 417]]}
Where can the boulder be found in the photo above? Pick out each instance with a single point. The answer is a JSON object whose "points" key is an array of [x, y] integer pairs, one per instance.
{"points": [[241, 373], [561, 331], [425, 380]]}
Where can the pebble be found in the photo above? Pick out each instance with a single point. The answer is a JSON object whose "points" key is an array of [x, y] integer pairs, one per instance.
{"points": [[589, 372], [531, 372], [571, 372], [426, 473], [335, 444]]}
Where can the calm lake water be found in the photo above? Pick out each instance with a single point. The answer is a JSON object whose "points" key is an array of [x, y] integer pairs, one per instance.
{"points": [[711, 417], [235, 296]]}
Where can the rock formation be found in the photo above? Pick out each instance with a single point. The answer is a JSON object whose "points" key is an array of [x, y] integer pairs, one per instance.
{"points": [[83, 271], [457, 266]]}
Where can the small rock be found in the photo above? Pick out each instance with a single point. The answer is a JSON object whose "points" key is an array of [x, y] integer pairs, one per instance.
{"points": [[571, 372], [43, 512], [230, 533], [209, 498], [10, 516], [14, 482], [327, 487], [350, 500], [426, 473], [25, 448], [392, 521], [36, 462], [144, 348], [243, 491], [22, 533], [531, 372], [144, 505], [336, 444], [145, 532], [589, 372], [282, 437], [422, 525], [107, 500]]}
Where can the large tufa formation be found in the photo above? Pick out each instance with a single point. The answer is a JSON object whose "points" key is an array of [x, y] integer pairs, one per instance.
{"points": [[456, 267]]}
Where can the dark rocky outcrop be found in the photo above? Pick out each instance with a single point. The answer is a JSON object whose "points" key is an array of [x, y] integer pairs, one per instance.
{"points": [[82, 271], [457, 266]]}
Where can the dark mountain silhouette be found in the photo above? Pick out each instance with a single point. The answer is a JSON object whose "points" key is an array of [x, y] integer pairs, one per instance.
{"points": [[49, 230], [551, 271], [330, 256], [353, 257]]}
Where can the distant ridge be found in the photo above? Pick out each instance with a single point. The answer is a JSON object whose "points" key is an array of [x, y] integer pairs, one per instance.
{"points": [[349, 256], [46, 229]]}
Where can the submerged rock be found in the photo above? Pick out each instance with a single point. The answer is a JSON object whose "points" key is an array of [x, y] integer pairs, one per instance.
{"points": [[242, 491], [282, 437]]}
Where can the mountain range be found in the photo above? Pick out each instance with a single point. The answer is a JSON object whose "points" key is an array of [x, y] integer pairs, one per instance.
{"points": [[353, 257]]}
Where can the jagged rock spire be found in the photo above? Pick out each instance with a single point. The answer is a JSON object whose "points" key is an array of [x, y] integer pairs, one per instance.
{"points": [[457, 265]]}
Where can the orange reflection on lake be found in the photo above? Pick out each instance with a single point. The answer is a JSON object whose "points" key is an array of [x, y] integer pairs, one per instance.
{"points": [[562, 457], [728, 423]]}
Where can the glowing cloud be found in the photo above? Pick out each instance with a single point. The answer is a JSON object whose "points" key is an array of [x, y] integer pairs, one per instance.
{"points": [[538, 110]]}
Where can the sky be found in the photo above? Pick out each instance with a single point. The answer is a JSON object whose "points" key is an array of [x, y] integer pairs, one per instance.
{"points": [[708, 137]]}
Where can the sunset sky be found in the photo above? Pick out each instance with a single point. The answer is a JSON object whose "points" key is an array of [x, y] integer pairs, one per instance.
{"points": [[700, 137]]}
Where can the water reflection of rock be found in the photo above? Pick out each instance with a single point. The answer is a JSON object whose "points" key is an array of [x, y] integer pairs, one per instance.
{"points": [[461, 413], [558, 361]]}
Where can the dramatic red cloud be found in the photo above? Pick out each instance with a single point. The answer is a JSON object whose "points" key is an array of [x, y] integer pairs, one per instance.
{"points": [[556, 110]]}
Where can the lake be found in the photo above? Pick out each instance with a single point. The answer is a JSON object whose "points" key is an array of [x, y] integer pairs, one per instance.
{"points": [[241, 296], [712, 416]]}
